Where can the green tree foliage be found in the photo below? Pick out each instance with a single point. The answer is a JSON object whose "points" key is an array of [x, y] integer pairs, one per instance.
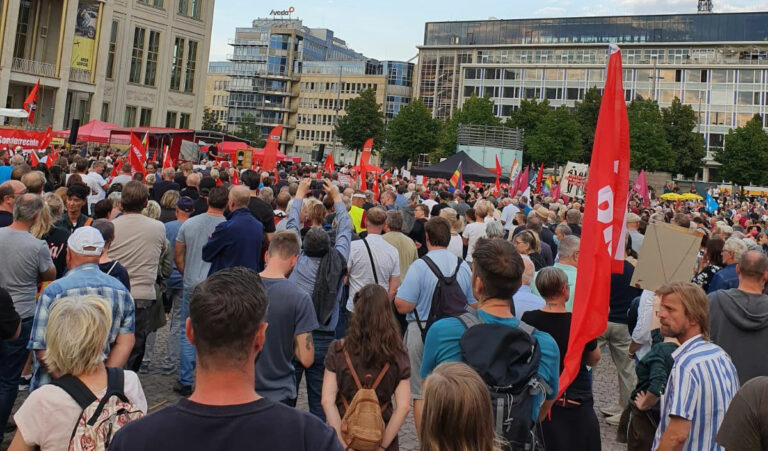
{"points": [[475, 111], [687, 145], [556, 138], [648, 144], [529, 115], [209, 121], [363, 120], [249, 131], [412, 132], [587, 112], [745, 156]]}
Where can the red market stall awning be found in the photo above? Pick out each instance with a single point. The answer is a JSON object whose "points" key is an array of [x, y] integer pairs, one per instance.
{"points": [[95, 131], [258, 154]]}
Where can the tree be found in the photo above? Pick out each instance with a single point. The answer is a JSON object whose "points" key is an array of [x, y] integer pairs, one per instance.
{"points": [[475, 111], [649, 148], [412, 132], [744, 159], [363, 120], [209, 121], [248, 130], [688, 146], [528, 115], [587, 112], [556, 138]]}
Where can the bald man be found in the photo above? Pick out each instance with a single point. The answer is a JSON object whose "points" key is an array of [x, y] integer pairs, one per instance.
{"points": [[523, 300], [9, 190], [236, 242]]}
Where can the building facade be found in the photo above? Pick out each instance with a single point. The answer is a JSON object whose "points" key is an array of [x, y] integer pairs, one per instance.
{"points": [[131, 62], [217, 91], [714, 62]]}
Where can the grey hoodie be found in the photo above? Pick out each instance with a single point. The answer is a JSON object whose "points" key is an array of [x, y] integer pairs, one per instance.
{"points": [[739, 324]]}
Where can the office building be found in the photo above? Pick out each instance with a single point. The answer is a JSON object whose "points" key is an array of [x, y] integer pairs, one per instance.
{"points": [[714, 62], [131, 62], [217, 90]]}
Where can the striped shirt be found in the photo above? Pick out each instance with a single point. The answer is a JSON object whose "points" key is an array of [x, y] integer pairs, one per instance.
{"points": [[701, 384], [85, 279]]}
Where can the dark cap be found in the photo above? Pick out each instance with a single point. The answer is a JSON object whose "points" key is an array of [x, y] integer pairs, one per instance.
{"points": [[186, 204], [78, 190], [283, 175], [207, 183]]}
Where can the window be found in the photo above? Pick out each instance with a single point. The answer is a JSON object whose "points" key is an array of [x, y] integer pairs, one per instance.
{"points": [[749, 76], [511, 93], [184, 120], [190, 8], [112, 50], [189, 78], [511, 74], [130, 116], [533, 74], [153, 48], [170, 119], [574, 93], [155, 3], [137, 55], [553, 93], [177, 60], [470, 73], [22, 28], [105, 112], [145, 119]]}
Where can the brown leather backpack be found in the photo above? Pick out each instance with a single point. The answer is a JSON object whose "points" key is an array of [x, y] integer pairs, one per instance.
{"points": [[363, 425]]}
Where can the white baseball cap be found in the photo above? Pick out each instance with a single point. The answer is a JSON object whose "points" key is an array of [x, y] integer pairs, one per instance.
{"points": [[86, 241]]}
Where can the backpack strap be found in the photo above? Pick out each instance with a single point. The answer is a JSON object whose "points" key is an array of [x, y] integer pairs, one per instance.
{"points": [[352, 369], [432, 266], [470, 318], [115, 383], [373, 265], [114, 263], [380, 376], [527, 328], [456, 271], [75, 389]]}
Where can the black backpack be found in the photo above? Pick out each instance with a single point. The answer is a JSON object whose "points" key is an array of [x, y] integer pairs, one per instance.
{"points": [[507, 359], [448, 299]]}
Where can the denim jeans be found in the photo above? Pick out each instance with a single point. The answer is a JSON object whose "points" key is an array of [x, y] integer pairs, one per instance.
{"points": [[322, 341], [171, 357], [13, 356], [187, 357]]}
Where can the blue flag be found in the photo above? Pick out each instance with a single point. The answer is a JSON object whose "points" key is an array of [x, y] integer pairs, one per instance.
{"points": [[711, 204]]}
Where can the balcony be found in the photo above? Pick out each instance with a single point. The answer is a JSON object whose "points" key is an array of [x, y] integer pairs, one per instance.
{"points": [[34, 67], [80, 75]]}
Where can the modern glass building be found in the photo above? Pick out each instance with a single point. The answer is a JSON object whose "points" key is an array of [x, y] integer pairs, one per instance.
{"points": [[714, 62]]}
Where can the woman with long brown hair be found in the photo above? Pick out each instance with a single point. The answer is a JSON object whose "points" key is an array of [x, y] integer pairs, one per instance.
{"points": [[527, 243], [372, 343], [457, 411]]}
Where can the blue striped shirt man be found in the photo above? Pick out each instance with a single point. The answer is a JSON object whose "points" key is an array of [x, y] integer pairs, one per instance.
{"points": [[701, 384]]}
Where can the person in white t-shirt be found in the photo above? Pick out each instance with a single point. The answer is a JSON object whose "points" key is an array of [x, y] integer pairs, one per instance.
{"points": [[474, 230], [96, 183]]}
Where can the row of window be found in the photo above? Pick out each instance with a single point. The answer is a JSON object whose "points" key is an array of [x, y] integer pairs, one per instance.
{"points": [[742, 76], [314, 135], [220, 115], [220, 100], [323, 104], [346, 88], [145, 54], [221, 85], [186, 8], [315, 119], [145, 117]]}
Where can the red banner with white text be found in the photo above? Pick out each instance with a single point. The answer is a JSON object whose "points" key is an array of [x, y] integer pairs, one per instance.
{"points": [[13, 138]]}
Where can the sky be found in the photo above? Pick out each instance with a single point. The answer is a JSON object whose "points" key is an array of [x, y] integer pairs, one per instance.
{"points": [[391, 29]]}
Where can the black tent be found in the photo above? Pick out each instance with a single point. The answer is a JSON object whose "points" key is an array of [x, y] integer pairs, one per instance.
{"points": [[471, 170]]}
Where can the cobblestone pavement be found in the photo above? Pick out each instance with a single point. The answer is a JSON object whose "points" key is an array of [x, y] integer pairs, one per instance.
{"points": [[159, 392]]}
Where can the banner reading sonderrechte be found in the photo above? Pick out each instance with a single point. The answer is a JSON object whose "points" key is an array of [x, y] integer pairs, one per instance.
{"points": [[26, 139]]}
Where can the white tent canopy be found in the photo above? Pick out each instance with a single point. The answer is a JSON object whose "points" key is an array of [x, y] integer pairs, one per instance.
{"points": [[14, 112]]}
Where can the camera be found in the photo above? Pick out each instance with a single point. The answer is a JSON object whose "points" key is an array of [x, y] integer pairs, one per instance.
{"points": [[316, 184]]}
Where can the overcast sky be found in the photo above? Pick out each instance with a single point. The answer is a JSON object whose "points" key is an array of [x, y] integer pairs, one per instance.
{"points": [[391, 30]]}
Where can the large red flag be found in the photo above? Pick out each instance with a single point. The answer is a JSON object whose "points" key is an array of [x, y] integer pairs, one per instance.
{"points": [[522, 181], [498, 174], [375, 188], [46, 141], [33, 159], [30, 103], [602, 237], [167, 161], [51, 158], [641, 187], [116, 168], [328, 166], [387, 175], [539, 178], [136, 155], [365, 157], [270, 149]]}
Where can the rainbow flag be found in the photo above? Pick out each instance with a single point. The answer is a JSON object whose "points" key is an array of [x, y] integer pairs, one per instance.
{"points": [[548, 184], [514, 171], [457, 179]]}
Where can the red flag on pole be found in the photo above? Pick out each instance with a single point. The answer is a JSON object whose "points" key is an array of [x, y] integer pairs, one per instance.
{"points": [[522, 181], [329, 166], [33, 159], [270, 149], [136, 155], [51, 159], [387, 175], [167, 161], [641, 187], [555, 192], [498, 174], [602, 238], [539, 178], [235, 177], [116, 168], [47, 138], [30, 103], [365, 157]]}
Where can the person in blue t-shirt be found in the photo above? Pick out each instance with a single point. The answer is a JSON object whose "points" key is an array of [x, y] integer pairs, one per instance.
{"points": [[496, 273]]}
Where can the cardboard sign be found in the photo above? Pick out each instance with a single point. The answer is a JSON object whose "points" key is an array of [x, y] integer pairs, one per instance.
{"points": [[668, 255], [574, 179]]}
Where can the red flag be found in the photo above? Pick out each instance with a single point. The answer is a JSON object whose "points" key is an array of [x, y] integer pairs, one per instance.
{"points": [[375, 188], [136, 155], [556, 192], [30, 103], [235, 177], [116, 168], [46, 138], [602, 237], [270, 149], [522, 181], [33, 159], [539, 178], [365, 157], [387, 175], [219, 182], [51, 159], [328, 166], [498, 174], [167, 161], [641, 187], [319, 174]]}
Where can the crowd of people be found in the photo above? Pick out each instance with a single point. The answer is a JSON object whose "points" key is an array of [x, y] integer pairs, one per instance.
{"points": [[452, 304]]}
